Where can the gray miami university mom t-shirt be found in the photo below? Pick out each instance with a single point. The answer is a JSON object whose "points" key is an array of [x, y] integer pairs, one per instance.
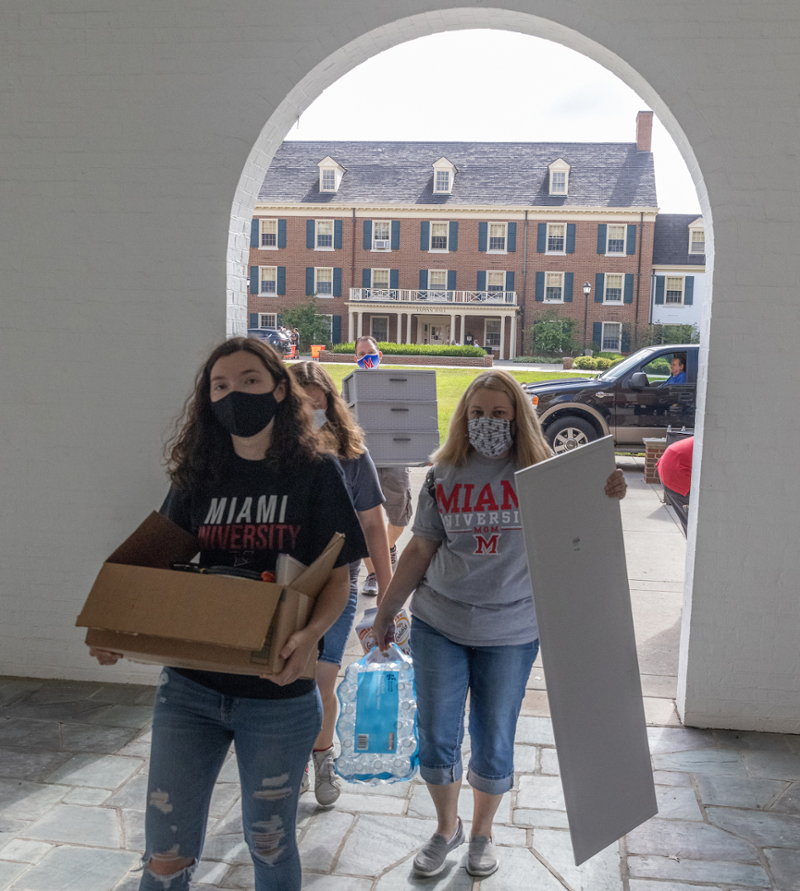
{"points": [[477, 589]]}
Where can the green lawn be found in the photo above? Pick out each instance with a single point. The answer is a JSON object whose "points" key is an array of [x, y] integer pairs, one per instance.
{"points": [[450, 384]]}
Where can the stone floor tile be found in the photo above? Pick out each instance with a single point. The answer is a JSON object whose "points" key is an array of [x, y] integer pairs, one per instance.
{"points": [[229, 772], [453, 878], [99, 771], [762, 828], [27, 765], [550, 764], [27, 733], [677, 803], [757, 742], [509, 836], [74, 825], [693, 841], [739, 791], [660, 712], [523, 816], [224, 796], [789, 802], [785, 868], [133, 795], [721, 872], [393, 790], [671, 778], [370, 804], [209, 873], [231, 849], [9, 829], [137, 748], [647, 885], [535, 702], [99, 739], [125, 716], [525, 759], [536, 679], [322, 840], [544, 793], [231, 823], [53, 691], [659, 686], [316, 882], [20, 800], [86, 796], [717, 762], [421, 804], [11, 871], [68, 868], [603, 872], [124, 694], [13, 689], [82, 710], [21, 850], [684, 739], [519, 869], [773, 765], [132, 830], [535, 731], [376, 843], [240, 877]]}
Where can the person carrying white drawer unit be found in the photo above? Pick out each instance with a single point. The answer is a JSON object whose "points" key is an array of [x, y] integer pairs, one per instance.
{"points": [[395, 481]]}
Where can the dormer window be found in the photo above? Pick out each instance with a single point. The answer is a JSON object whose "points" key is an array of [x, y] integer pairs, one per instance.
{"points": [[443, 176], [559, 177], [330, 175], [697, 237]]}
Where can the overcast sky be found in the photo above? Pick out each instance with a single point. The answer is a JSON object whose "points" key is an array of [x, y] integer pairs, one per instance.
{"points": [[488, 86]]}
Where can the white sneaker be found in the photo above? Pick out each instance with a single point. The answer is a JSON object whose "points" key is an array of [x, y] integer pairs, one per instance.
{"points": [[370, 588], [326, 784]]}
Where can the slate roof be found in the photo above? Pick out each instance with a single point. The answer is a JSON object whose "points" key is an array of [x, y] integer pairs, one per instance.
{"points": [[488, 173], [671, 241]]}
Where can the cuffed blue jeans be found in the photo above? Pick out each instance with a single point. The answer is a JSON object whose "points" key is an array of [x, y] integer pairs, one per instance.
{"points": [[495, 678], [193, 728]]}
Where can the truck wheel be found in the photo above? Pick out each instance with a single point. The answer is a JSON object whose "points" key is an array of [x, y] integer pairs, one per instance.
{"points": [[566, 434]]}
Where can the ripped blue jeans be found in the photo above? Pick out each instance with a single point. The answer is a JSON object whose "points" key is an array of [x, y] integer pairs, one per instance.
{"points": [[193, 728]]}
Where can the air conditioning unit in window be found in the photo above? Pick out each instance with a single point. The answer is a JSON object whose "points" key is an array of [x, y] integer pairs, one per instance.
{"points": [[381, 244]]}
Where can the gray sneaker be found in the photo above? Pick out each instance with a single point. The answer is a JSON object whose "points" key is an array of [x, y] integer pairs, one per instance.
{"points": [[481, 859], [326, 784], [370, 585], [430, 859]]}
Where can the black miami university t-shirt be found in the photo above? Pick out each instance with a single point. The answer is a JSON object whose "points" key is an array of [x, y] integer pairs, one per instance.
{"points": [[253, 514]]}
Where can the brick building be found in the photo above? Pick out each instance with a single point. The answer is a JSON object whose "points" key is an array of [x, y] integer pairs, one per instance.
{"points": [[418, 242]]}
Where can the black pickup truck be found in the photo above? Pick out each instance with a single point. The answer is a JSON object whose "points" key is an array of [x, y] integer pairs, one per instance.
{"points": [[630, 401]]}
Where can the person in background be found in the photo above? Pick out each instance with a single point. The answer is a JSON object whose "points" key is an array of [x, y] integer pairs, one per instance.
{"points": [[295, 343], [675, 472], [395, 481], [678, 371], [339, 430], [474, 628]]}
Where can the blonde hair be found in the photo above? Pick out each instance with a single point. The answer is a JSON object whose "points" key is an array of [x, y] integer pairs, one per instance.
{"points": [[345, 437], [529, 446]]}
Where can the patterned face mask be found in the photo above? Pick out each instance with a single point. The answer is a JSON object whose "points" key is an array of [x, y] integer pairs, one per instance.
{"points": [[490, 437]]}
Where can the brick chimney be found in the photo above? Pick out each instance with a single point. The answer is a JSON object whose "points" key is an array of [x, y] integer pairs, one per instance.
{"points": [[644, 130]]}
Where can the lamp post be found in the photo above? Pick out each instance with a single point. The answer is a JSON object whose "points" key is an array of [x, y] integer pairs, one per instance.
{"points": [[587, 289]]}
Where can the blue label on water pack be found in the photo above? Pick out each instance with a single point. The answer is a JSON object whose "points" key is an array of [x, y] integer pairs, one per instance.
{"points": [[377, 704]]}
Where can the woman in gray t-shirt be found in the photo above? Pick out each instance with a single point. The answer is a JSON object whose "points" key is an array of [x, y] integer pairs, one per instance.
{"points": [[474, 628]]}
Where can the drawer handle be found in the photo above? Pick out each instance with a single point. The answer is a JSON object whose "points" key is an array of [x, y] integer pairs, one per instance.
{"points": [[401, 439], [402, 380], [399, 409]]}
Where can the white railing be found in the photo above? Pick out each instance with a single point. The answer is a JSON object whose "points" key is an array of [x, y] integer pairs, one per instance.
{"points": [[404, 295]]}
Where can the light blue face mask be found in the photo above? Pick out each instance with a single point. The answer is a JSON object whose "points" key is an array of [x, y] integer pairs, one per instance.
{"points": [[320, 418], [368, 362]]}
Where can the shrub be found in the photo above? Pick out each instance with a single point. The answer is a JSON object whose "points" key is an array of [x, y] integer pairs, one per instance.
{"points": [[587, 363], [660, 366], [312, 326], [538, 360], [416, 349], [554, 335], [603, 363], [615, 357]]}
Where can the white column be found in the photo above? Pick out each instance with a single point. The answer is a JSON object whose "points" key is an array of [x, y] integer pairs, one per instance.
{"points": [[502, 336], [452, 327], [360, 322], [350, 331], [513, 348], [408, 329], [399, 327]]}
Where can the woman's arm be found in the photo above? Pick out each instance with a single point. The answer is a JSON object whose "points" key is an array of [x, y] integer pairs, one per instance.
{"points": [[411, 567], [374, 529]]}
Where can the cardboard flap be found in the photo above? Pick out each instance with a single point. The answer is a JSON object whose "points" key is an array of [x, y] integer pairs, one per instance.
{"points": [[158, 543], [312, 580], [181, 605]]}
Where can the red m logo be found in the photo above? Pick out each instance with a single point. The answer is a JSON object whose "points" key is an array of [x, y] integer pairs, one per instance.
{"points": [[368, 362], [486, 545]]}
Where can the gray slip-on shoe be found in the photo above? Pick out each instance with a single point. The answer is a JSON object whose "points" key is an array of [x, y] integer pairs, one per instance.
{"points": [[430, 859], [481, 859]]}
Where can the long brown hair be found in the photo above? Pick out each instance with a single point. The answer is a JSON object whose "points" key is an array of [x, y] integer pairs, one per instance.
{"points": [[529, 446], [341, 427], [200, 446]]}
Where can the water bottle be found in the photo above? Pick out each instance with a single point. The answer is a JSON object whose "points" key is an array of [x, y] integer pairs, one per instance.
{"points": [[377, 725]]}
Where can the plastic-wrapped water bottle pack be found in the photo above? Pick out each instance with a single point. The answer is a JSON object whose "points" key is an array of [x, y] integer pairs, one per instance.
{"points": [[377, 726]]}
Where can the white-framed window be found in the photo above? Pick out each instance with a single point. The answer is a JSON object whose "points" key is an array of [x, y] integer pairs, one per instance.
{"points": [[673, 292], [269, 235], [330, 175], [615, 239], [442, 183], [497, 237], [323, 233], [697, 240], [267, 320], [268, 276], [439, 236], [495, 281], [381, 235], [437, 279], [380, 279], [554, 287], [328, 319], [379, 326], [443, 175], [323, 282], [491, 333], [612, 337], [613, 288], [328, 180], [556, 238], [559, 177]]}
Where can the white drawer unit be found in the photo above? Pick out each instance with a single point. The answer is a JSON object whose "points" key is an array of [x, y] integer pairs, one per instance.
{"points": [[398, 448], [417, 416], [392, 386]]}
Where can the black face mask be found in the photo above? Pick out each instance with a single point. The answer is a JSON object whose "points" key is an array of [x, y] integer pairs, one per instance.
{"points": [[245, 414]]}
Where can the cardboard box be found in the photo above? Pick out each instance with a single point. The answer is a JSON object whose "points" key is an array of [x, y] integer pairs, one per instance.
{"points": [[148, 612]]}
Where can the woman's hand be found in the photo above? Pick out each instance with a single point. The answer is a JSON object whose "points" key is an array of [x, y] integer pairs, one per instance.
{"points": [[105, 657], [297, 652], [616, 487]]}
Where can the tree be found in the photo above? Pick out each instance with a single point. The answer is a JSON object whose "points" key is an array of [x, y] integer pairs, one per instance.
{"points": [[552, 334], [311, 324]]}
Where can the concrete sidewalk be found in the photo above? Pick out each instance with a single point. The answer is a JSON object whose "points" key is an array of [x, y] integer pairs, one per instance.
{"points": [[73, 762]]}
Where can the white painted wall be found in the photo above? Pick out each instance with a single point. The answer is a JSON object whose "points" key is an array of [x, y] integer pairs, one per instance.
{"points": [[680, 314], [132, 144]]}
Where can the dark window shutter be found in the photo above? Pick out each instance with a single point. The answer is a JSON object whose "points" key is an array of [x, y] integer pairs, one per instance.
{"points": [[452, 241], [281, 280], [310, 234], [394, 279], [568, 280], [481, 280], [625, 340], [630, 241], [540, 286], [509, 281], [599, 287], [367, 235], [336, 329], [254, 279], [255, 228], [570, 238], [597, 334], [424, 235], [511, 243], [451, 279], [602, 230], [660, 282], [254, 320], [628, 294], [688, 290], [366, 278], [541, 238], [395, 235], [337, 282], [483, 236], [309, 280], [423, 279], [337, 234], [281, 233]]}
